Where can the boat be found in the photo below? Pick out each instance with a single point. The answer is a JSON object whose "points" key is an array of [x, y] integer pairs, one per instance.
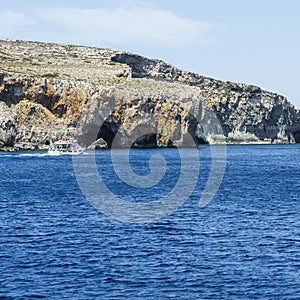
{"points": [[65, 147]]}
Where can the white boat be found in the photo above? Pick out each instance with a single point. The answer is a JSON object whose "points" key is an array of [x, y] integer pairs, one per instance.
{"points": [[65, 147]]}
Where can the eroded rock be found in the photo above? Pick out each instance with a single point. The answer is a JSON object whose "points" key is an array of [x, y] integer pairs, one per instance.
{"points": [[126, 100]]}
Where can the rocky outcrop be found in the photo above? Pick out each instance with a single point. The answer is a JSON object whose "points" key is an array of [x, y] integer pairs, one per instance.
{"points": [[133, 101], [8, 128], [246, 112], [99, 144]]}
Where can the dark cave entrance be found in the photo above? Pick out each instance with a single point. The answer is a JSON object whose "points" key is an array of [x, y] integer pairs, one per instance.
{"points": [[296, 135], [146, 141], [94, 132], [110, 128], [107, 132]]}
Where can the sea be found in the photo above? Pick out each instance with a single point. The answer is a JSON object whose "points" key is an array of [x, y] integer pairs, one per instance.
{"points": [[244, 243]]}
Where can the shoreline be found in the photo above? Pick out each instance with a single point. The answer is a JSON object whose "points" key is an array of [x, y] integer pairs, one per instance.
{"points": [[45, 148]]}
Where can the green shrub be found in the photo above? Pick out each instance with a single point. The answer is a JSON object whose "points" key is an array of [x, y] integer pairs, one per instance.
{"points": [[50, 75]]}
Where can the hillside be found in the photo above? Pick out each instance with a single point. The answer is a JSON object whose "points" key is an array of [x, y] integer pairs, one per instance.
{"points": [[51, 91]]}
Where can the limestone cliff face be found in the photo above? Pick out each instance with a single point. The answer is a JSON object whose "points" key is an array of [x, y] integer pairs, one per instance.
{"points": [[43, 109], [126, 100], [8, 128], [247, 113]]}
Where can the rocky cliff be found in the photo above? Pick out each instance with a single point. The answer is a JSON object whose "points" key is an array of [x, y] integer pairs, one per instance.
{"points": [[106, 98]]}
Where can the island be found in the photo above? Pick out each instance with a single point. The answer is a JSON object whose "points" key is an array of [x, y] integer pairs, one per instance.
{"points": [[108, 98]]}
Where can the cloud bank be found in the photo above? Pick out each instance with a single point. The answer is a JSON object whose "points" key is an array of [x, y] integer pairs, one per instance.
{"points": [[13, 22], [128, 27]]}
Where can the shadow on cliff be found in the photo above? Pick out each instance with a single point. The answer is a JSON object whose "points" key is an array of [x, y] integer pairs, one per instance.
{"points": [[114, 136]]}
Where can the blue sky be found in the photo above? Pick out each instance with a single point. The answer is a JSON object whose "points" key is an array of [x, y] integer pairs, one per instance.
{"points": [[251, 41]]}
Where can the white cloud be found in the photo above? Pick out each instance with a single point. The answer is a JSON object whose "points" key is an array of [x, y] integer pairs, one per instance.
{"points": [[15, 25], [123, 26], [10, 18]]}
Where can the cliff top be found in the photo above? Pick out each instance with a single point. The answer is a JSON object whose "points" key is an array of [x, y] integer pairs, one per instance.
{"points": [[105, 67], [45, 88], [74, 63]]}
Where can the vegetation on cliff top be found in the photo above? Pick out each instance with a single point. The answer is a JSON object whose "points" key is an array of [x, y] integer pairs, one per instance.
{"points": [[47, 86]]}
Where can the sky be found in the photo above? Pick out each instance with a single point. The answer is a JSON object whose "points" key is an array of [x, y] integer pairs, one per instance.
{"points": [[251, 41]]}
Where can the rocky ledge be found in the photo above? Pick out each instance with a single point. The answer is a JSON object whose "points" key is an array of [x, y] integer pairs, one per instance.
{"points": [[107, 98]]}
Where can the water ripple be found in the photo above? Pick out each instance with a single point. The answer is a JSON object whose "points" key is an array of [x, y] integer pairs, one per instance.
{"points": [[244, 245]]}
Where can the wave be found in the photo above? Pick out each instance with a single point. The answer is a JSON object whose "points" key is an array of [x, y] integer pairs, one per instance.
{"points": [[17, 155]]}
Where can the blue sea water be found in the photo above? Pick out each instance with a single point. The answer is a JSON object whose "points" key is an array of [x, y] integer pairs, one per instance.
{"points": [[244, 245]]}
